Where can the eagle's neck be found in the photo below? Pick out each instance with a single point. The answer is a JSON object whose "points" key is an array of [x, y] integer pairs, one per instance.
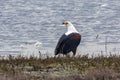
{"points": [[71, 29]]}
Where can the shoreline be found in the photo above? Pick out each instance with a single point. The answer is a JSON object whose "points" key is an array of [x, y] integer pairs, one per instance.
{"points": [[80, 68]]}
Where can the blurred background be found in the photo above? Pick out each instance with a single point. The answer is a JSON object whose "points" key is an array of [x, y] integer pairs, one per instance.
{"points": [[30, 26]]}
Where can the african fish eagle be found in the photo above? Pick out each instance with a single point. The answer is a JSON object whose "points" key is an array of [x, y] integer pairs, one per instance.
{"points": [[68, 41]]}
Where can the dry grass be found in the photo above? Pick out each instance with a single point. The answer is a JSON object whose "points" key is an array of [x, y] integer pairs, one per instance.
{"points": [[61, 68]]}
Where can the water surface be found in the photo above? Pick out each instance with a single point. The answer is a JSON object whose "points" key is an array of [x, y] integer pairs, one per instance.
{"points": [[24, 22]]}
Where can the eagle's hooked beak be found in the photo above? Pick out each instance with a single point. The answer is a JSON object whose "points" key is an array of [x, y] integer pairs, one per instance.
{"points": [[65, 23]]}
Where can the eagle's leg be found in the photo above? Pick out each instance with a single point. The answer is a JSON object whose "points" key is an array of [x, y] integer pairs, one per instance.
{"points": [[74, 52]]}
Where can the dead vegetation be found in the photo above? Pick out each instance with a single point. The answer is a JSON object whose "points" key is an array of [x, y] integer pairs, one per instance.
{"points": [[61, 68]]}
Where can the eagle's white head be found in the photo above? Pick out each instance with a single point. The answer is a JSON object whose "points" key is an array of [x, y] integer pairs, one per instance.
{"points": [[71, 28]]}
